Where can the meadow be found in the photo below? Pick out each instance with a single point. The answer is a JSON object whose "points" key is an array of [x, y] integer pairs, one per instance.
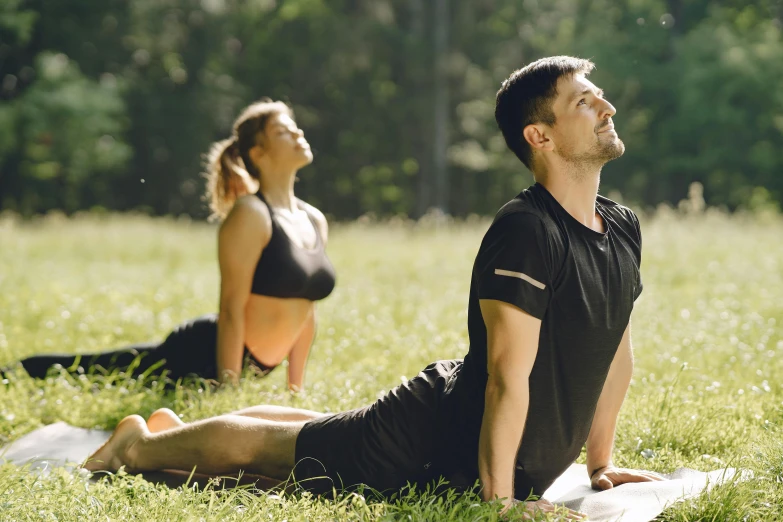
{"points": [[707, 390]]}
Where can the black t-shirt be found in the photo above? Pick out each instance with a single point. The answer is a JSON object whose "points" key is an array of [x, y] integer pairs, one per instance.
{"points": [[582, 284]]}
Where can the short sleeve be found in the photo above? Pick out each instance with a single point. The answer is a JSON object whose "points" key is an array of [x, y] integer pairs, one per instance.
{"points": [[515, 264], [639, 285]]}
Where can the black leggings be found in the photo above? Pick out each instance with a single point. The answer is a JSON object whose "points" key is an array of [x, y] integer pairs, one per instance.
{"points": [[191, 349]]}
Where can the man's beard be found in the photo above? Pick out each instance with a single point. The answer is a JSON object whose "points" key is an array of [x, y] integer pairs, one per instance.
{"points": [[607, 151], [601, 153]]}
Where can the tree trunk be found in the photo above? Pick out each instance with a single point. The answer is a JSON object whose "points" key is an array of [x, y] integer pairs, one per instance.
{"points": [[441, 105], [422, 151]]}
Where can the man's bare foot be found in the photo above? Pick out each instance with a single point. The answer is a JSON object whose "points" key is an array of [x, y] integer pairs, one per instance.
{"points": [[162, 420], [114, 454]]}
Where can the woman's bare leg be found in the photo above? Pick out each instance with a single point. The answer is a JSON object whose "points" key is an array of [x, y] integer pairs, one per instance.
{"points": [[218, 445], [165, 419]]}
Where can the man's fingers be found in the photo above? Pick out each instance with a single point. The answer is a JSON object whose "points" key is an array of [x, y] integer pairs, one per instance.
{"points": [[532, 509], [625, 476], [547, 507], [570, 514], [540, 505], [575, 515], [641, 477], [603, 483]]}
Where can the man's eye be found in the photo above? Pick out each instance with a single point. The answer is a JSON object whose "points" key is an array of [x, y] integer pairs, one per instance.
{"points": [[583, 100]]}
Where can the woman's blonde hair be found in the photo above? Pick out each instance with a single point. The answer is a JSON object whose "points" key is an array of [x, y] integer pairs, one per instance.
{"points": [[229, 167]]}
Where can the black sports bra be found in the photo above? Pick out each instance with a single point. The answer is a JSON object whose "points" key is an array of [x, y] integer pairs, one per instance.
{"points": [[288, 270]]}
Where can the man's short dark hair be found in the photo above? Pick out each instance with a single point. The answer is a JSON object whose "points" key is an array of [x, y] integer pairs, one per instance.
{"points": [[526, 98]]}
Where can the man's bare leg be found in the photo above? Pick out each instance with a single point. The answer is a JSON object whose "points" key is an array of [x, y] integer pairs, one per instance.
{"points": [[219, 445], [165, 419], [162, 420], [279, 413]]}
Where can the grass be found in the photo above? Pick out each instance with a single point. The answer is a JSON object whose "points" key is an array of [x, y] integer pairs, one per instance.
{"points": [[706, 391]]}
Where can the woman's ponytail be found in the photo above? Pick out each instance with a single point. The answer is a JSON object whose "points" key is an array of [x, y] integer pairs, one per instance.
{"points": [[227, 178]]}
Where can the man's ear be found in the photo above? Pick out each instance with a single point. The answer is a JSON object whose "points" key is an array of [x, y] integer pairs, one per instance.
{"points": [[537, 136]]}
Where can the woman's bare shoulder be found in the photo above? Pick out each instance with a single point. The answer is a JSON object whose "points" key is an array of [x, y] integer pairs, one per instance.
{"points": [[249, 214]]}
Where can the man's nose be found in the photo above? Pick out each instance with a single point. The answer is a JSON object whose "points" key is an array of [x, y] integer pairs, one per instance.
{"points": [[607, 110]]}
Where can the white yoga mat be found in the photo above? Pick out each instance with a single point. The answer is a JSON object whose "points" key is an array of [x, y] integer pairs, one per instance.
{"points": [[55, 445], [60, 444], [639, 502]]}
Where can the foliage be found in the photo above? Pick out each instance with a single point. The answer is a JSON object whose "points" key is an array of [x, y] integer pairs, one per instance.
{"points": [[149, 84], [706, 392]]}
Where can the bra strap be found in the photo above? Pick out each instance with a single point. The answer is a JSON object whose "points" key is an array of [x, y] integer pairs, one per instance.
{"points": [[264, 201]]}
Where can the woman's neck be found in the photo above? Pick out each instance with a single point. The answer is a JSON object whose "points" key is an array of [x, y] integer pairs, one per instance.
{"points": [[278, 189]]}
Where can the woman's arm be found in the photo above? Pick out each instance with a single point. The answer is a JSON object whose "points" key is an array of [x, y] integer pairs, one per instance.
{"points": [[297, 358], [241, 239]]}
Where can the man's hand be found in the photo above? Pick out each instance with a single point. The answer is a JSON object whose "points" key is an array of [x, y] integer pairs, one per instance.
{"points": [[532, 509], [608, 477]]}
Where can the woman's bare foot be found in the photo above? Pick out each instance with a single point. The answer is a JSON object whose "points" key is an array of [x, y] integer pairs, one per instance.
{"points": [[162, 420], [115, 453]]}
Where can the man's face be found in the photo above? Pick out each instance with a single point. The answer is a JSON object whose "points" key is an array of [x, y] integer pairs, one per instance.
{"points": [[583, 132]]}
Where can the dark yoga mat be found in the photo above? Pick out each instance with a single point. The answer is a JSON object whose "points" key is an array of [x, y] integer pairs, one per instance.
{"points": [[63, 445]]}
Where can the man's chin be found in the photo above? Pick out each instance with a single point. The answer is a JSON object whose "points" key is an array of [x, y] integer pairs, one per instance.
{"points": [[613, 150]]}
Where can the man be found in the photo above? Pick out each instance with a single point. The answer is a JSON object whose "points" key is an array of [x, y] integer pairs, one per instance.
{"points": [[550, 357], [553, 288]]}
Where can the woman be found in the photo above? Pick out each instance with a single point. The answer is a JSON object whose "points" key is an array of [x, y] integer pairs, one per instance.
{"points": [[273, 264]]}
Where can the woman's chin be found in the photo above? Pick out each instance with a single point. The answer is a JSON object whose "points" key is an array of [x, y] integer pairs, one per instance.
{"points": [[307, 157]]}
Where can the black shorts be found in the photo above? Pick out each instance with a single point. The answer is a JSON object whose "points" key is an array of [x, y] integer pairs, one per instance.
{"points": [[191, 349], [399, 439]]}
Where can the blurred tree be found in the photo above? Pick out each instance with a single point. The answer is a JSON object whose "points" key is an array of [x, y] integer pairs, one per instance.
{"points": [[66, 125], [96, 96]]}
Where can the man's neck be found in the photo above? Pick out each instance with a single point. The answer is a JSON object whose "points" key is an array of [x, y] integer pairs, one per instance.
{"points": [[577, 195]]}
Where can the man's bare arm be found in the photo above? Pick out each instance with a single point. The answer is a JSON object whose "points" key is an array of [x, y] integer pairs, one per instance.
{"points": [[512, 345], [600, 441]]}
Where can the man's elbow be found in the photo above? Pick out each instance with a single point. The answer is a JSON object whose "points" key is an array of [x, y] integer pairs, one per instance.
{"points": [[501, 384]]}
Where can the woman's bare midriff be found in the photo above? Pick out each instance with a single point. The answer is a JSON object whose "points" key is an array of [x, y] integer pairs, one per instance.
{"points": [[272, 326]]}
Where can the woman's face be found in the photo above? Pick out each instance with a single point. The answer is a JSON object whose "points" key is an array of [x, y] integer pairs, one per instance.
{"points": [[283, 144]]}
